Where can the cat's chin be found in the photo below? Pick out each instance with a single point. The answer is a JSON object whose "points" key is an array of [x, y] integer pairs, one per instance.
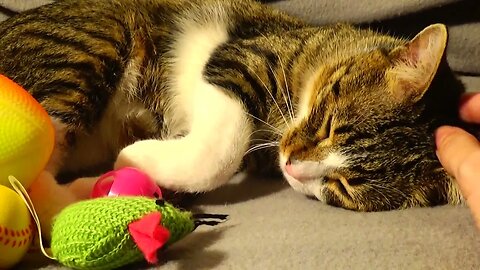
{"points": [[312, 188]]}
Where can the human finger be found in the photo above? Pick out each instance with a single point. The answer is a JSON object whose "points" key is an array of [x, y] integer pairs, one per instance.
{"points": [[470, 108], [455, 147], [459, 153]]}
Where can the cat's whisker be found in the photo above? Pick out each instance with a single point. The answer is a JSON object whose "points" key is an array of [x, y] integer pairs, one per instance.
{"points": [[265, 140], [260, 146], [289, 103], [282, 90], [388, 188], [271, 132], [359, 120], [264, 144], [387, 199], [264, 122], [356, 196], [398, 191], [271, 95]]}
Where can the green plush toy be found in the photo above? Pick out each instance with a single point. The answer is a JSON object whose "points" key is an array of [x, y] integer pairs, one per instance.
{"points": [[111, 232]]}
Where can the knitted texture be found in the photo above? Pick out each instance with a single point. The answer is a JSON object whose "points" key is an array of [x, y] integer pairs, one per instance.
{"points": [[93, 234]]}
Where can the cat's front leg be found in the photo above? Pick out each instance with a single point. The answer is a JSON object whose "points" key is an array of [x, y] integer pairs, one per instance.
{"points": [[207, 156]]}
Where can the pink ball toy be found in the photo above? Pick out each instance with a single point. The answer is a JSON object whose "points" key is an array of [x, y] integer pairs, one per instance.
{"points": [[126, 181]]}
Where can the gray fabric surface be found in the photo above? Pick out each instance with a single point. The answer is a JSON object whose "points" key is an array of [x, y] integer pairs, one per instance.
{"points": [[359, 11], [21, 5], [273, 227], [404, 18], [472, 83]]}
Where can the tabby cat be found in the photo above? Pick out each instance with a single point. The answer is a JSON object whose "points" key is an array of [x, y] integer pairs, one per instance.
{"points": [[190, 91]]}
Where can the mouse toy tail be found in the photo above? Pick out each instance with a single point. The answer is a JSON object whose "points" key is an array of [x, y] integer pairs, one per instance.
{"points": [[208, 219]]}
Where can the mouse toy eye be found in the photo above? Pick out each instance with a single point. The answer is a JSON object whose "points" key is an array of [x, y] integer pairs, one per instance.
{"points": [[160, 202]]}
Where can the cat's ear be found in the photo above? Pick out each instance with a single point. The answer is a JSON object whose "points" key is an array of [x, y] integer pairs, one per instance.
{"points": [[416, 63]]}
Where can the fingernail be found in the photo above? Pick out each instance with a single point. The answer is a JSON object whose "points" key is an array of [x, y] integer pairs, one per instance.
{"points": [[441, 133]]}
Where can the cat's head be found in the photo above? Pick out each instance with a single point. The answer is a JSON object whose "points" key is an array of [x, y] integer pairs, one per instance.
{"points": [[363, 137]]}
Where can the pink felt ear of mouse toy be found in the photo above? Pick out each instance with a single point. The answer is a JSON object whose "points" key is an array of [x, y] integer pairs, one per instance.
{"points": [[126, 181]]}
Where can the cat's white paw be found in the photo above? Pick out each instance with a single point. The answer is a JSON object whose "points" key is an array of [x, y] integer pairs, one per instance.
{"points": [[179, 165], [148, 156]]}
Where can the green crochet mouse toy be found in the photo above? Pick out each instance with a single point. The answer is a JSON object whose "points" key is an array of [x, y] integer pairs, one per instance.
{"points": [[110, 232]]}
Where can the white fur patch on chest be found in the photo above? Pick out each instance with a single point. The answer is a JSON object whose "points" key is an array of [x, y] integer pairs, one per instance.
{"points": [[190, 52]]}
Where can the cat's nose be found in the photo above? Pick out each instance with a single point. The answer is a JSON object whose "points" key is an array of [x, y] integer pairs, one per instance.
{"points": [[294, 171]]}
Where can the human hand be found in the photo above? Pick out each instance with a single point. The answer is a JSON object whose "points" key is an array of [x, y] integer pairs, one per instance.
{"points": [[459, 153]]}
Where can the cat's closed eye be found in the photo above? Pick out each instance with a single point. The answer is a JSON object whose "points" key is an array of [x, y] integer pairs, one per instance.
{"points": [[326, 131], [336, 88]]}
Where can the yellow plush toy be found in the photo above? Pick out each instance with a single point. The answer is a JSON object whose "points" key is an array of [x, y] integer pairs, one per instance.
{"points": [[26, 134], [16, 228], [26, 143]]}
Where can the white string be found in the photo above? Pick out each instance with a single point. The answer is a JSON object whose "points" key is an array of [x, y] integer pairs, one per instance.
{"points": [[28, 202]]}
